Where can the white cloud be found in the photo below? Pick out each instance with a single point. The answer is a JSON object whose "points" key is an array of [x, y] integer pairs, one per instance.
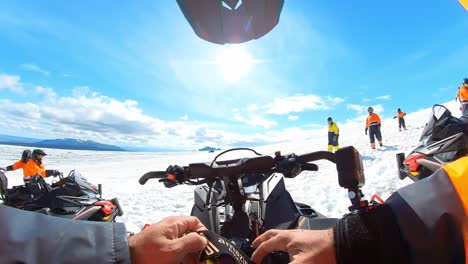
{"points": [[383, 97], [252, 107], [254, 120], [47, 92], [300, 103], [366, 100], [34, 68], [335, 100], [293, 117], [362, 109], [295, 104], [10, 82], [80, 91], [358, 108], [185, 117]]}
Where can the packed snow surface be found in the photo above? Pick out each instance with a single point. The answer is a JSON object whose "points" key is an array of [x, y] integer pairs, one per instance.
{"points": [[118, 172]]}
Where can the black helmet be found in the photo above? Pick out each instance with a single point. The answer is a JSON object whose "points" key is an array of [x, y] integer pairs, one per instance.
{"points": [[398, 110], [370, 109], [37, 152], [329, 119], [465, 81]]}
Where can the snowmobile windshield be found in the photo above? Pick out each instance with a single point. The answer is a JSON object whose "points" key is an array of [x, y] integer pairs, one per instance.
{"points": [[78, 179], [439, 116]]}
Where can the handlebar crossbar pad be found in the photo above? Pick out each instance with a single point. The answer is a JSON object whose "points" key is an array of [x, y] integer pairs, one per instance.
{"points": [[232, 168], [318, 155]]}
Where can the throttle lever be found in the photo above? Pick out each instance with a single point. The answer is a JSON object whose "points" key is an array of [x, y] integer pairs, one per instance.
{"points": [[168, 183], [309, 167]]}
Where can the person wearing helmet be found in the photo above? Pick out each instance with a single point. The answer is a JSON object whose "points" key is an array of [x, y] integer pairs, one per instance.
{"points": [[35, 167], [373, 124], [462, 96], [401, 119], [333, 133]]}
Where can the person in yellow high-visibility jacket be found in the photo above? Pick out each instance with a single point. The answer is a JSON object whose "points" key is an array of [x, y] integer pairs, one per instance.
{"points": [[333, 134]]}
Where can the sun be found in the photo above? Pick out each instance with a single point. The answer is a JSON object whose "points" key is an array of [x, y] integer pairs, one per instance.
{"points": [[233, 63]]}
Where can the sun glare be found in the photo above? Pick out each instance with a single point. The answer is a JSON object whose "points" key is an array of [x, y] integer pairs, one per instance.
{"points": [[234, 63]]}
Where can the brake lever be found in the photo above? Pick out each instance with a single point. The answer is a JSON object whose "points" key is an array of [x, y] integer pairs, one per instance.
{"points": [[168, 183]]}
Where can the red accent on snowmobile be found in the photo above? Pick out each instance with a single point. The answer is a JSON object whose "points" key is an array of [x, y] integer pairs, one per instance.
{"points": [[376, 197], [107, 207], [411, 161]]}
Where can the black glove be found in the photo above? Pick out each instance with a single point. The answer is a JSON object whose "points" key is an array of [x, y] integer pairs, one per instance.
{"points": [[365, 131], [394, 117], [178, 172], [53, 173]]}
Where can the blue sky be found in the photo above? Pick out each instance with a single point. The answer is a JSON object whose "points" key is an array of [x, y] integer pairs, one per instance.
{"points": [[135, 74]]}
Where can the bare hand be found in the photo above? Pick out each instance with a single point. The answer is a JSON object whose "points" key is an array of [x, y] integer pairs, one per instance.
{"points": [[303, 246], [168, 241]]}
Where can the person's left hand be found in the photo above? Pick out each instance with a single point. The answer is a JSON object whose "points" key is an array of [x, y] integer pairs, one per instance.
{"points": [[171, 240], [303, 246]]}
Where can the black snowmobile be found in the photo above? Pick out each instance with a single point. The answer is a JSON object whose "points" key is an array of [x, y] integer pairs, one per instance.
{"points": [[443, 140], [71, 197], [237, 200]]}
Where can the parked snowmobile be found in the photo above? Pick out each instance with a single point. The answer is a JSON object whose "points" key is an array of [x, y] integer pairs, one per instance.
{"points": [[243, 198], [72, 197], [443, 140]]}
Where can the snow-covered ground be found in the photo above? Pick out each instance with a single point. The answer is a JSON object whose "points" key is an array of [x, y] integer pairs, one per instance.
{"points": [[119, 172]]}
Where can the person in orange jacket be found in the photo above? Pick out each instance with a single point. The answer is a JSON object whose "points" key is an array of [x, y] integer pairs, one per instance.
{"points": [[32, 168], [373, 124], [401, 119], [462, 97]]}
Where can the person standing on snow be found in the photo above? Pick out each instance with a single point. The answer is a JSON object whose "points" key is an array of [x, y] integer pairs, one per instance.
{"points": [[373, 125], [462, 96], [333, 133], [401, 119]]}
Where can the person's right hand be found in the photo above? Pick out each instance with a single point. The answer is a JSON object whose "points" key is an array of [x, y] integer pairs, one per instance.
{"points": [[303, 246], [169, 241], [365, 131]]}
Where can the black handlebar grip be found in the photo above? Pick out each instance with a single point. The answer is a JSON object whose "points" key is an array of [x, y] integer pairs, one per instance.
{"points": [[152, 175]]}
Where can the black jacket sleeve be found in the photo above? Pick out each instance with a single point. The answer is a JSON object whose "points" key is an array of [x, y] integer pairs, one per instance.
{"points": [[421, 223], [28, 237], [431, 219]]}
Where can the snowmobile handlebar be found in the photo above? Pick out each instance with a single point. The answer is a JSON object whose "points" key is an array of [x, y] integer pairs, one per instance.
{"points": [[290, 165]]}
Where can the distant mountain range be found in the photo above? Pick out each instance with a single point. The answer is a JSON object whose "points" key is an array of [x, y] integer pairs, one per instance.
{"points": [[66, 143], [209, 149]]}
